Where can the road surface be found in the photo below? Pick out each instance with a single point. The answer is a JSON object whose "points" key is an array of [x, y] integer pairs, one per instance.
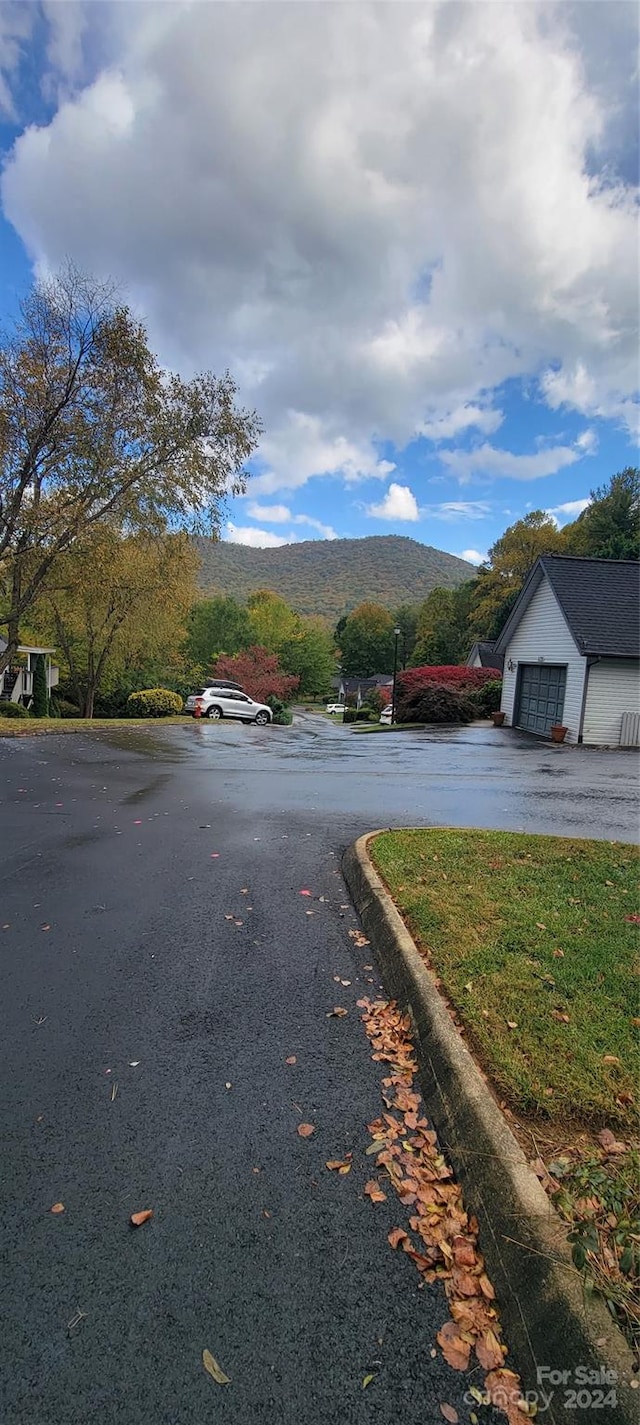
{"points": [[159, 965]]}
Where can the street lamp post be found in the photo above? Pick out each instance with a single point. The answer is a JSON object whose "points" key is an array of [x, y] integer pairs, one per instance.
{"points": [[396, 633]]}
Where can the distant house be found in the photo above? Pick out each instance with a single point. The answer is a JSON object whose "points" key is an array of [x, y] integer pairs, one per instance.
{"points": [[484, 655], [16, 683], [571, 651], [359, 687]]}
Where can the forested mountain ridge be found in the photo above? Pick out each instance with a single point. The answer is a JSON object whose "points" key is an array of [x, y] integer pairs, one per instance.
{"points": [[331, 577]]}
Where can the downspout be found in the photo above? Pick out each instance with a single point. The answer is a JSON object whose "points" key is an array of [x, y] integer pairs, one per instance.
{"points": [[585, 688]]}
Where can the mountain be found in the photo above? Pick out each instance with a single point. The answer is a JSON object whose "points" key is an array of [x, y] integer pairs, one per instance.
{"points": [[331, 576]]}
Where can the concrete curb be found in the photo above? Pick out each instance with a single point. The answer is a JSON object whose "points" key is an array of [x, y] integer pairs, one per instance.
{"points": [[548, 1321]]}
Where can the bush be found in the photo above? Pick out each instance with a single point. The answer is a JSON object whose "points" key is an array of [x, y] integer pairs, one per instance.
{"points": [[350, 715], [365, 714], [62, 707], [452, 675], [434, 702], [40, 703], [486, 700], [13, 710], [282, 715], [154, 702]]}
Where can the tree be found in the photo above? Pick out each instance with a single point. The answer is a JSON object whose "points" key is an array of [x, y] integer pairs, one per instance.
{"points": [[311, 657], [367, 641], [500, 580], [609, 528], [443, 626], [116, 603], [273, 623], [214, 626], [259, 673], [40, 705], [406, 619], [93, 428]]}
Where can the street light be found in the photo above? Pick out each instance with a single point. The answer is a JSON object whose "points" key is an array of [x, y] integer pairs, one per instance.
{"points": [[396, 634]]}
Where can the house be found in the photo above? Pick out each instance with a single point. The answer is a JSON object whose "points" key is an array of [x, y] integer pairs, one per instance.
{"points": [[16, 683], [359, 687], [484, 655], [571, 651]]}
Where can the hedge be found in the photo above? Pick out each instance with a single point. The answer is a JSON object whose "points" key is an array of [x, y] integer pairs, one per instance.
{"points": [[154, 702], [13, 710], [435, 702]]}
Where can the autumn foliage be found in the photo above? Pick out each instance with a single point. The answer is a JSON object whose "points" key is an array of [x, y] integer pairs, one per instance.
{"points": [[463, 679], [258, 672]]}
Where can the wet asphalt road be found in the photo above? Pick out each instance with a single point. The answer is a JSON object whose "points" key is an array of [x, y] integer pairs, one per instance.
{"points": [[122, 857]]}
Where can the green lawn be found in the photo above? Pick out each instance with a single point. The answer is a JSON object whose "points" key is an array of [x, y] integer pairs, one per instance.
{"points": [[531, 939], [30, 726]]}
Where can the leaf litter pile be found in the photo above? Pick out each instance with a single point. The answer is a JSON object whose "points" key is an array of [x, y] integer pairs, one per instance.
{"points": [[444, 1245]]}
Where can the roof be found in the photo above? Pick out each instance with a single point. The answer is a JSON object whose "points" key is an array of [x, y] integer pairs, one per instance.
{"points": [[25, 647], [378, 680], [489, 657], [600, 600]]}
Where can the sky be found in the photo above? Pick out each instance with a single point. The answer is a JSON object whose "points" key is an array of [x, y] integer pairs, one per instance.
{"points": [[408, 229]]}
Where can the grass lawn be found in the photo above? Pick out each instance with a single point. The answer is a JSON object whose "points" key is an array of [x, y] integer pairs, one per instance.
{"points": [[532, 941], [31, 726]]}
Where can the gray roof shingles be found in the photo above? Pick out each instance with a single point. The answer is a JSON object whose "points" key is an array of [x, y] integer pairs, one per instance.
{"points": [[600, 599]]}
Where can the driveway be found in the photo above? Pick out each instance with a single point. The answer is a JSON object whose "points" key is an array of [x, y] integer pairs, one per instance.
{"points": [[159, 966]]}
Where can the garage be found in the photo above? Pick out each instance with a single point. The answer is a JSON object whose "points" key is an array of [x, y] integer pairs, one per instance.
{"points": [[540, 702]]}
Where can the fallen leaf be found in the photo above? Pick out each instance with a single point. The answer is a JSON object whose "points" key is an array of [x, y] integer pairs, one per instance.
{"points": [[559, 1016], [396, 1236], [214, 1370], [635, 919], [114, 1091], [133, 1063], [610, 1143], [512, 1024], [305, 893], [345, 982], [489, 1351], [305, 1130], [540, 926], [455, 1351], [45, 927], [374, 1191], [337, 1013], [291, 1060], [367, 1381], [610, 1059], [138, 1218], [57, 1207], [340, 1166], [449, 1413], [559, 954]]}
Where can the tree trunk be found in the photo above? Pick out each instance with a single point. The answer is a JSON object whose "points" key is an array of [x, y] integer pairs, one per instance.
{"points": [[88, 701]]}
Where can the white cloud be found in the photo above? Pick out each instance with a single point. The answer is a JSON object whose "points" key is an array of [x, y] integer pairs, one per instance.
{"points": [[256, 538], [281, 514], [16, 21], [488, 461], [473, 556], [570, 510], [462, 418], [272, 182], [454, 510], [399, 503]]}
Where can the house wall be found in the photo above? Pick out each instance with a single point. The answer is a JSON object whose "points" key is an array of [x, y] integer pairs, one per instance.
{"points": [[543, 633], [613, 689], [476, 661]]}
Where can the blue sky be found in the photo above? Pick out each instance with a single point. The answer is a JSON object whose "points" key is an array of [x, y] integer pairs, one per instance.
{"points": [[409, 231]]}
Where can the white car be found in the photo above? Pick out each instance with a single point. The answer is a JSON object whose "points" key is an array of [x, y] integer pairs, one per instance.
{"points": [[334, 708], [386, 714], [228, 702]]}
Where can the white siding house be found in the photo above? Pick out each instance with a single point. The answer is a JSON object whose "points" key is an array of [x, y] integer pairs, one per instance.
{"points": [[571, 651], [16, 683]]}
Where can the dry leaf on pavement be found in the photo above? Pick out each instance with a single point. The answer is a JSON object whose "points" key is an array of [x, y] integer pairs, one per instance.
{"points": [[396, 1236], [291, 1059], [455, 1351], [214, 1370], [450, 1413], [305, 1130], [337, 1013], [137, 1218], [338, 1165], [57, 1207], [374, 1191]]}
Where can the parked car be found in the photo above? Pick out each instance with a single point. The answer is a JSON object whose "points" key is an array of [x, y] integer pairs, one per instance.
{"points": [[386, 714], [334, 708], [219, 702]]}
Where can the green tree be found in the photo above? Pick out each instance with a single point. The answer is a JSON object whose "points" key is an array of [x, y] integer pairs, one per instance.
{"points": [[117, 604], [219, 625], [310, 655], [40, 704], [93, 428], [609, 528], [367, 641], [406, 619], [500, 580], [271, 620]]}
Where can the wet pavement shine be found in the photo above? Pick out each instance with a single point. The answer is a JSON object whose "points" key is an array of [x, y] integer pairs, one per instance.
{"points": [[159, 965]]}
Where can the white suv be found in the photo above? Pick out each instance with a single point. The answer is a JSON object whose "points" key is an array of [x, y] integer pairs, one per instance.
{"points": [[228, 702]]}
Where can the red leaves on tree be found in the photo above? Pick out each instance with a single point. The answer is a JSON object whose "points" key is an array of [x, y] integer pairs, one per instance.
{"points": [[448, 675], [258, 672]]}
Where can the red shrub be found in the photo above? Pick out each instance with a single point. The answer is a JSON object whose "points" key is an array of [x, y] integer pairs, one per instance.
{"points": [[463, 679]]}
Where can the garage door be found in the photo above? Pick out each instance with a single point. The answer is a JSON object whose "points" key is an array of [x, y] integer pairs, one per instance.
{"points": [[540, 697]]}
